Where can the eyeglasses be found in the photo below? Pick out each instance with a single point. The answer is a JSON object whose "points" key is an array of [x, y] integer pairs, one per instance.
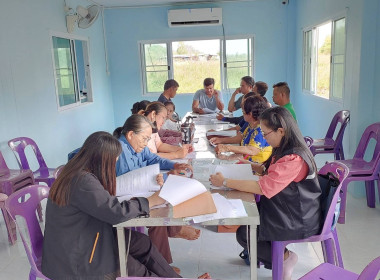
{"points": [[144, 139], [266, 134]]}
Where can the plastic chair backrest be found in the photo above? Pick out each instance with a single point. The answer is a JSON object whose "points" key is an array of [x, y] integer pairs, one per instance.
{"points": [[309, 141], [371, 132], [18, 146], [340, 171], [57, 171], [371, 270], [342, 117], [24, 203], [3, 164]]}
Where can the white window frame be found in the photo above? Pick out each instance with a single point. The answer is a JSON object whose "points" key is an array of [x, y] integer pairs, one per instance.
{"points": [[223, 69], [86, 55], [311, 59]]}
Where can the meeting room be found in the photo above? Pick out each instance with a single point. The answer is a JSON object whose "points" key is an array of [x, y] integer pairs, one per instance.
{"points": [[193, 139]]}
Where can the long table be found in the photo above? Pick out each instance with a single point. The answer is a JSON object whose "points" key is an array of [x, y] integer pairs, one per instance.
{"points": [[203, 155]]}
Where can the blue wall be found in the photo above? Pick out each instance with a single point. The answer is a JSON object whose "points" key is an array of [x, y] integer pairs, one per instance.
{"points": [[28, 104], [266, 20]]}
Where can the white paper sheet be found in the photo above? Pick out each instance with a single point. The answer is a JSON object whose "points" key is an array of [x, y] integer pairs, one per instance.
{"points": [[178, 189], [226, 208], [228, 133], [236, 171], [209, 111], [140, 180]]}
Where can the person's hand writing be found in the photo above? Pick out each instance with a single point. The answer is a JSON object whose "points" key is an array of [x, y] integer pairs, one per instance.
{"points": [[215, 140], [160, 179], [189, 147], [181, 152], [217, 179], [219, 116], [182, 166]]}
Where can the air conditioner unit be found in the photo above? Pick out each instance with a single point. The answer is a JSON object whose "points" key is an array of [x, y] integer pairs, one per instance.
{"points": [[195, 17]]}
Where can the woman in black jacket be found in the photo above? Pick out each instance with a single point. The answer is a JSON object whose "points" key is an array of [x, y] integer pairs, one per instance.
{"points": [[79, 241]]}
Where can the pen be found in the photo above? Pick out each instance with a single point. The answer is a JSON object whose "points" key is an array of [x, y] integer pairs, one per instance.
{"points": [[93, 248]]}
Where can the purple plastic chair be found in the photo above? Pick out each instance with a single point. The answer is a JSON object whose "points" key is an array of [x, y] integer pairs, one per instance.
{"points": [[327, 271], [328, 145], [42, 174], [11, 226], [328, 236], [361, 170], [26, 209], [12, 180], [309, 141]]}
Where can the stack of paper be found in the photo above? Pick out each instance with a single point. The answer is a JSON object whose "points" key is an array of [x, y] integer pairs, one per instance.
{"points": [[234, 171], [225, 133], [141, 180], [188, 197], [226, 208]]}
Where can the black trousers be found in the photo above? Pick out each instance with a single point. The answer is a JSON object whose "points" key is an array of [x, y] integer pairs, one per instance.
{"points": [[264, 248], [144, 259]]}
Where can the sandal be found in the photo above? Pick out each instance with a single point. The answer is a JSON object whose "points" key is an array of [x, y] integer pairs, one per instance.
{"points": [[245, 256]]}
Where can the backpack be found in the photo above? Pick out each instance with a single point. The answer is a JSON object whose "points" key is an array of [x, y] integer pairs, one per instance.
{"points": [[329, 184]]}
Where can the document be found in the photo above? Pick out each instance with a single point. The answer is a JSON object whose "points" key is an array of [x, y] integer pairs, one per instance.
{"points": [[188, 196], [225, 133], [209, 111], [137, 181], [226, 208], [235, 171]]}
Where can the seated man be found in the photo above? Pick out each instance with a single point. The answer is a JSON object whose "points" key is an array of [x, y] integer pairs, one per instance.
{"points": [[281, 96], [246, 85], [207, 100], [170, 90], [259, 88]]}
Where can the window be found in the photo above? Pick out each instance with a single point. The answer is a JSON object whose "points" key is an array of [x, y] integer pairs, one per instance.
{"points": [[190, 62], [71, 69], [323, 59]]}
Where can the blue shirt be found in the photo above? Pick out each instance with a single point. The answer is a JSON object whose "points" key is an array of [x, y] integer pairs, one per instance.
{"points": [[130, 160]]}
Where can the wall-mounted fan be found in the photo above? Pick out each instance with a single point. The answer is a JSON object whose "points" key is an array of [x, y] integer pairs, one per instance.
{"points": [[84, 17]]}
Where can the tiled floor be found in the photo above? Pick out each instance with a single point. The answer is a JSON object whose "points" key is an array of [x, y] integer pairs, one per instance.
{"points": [[217, 253]]}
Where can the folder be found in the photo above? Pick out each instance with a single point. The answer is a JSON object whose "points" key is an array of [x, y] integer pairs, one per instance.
{"points": [[188, 197]]}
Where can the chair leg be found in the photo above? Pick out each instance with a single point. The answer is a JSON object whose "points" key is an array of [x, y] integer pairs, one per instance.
{"points": [[328, 251], [11, 227], [343, 201], [337, 249], [370, 192], [277, 260]]}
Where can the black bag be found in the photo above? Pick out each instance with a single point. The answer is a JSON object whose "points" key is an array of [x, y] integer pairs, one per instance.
{"points": [[328, 184]]}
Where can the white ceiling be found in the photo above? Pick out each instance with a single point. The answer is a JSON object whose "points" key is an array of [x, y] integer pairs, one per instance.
{"points": [[143, 3]]}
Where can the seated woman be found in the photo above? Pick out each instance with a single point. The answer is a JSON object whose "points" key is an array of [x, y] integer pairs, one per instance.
{"points": [[134, 137], [290, 205], [79, 241], [170, 123], [252, 143], [138, 106], [156, 113], [170, 131]]}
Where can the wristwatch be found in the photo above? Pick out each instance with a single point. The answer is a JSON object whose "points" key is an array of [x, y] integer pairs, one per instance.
{"points": [[225, 182]]}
